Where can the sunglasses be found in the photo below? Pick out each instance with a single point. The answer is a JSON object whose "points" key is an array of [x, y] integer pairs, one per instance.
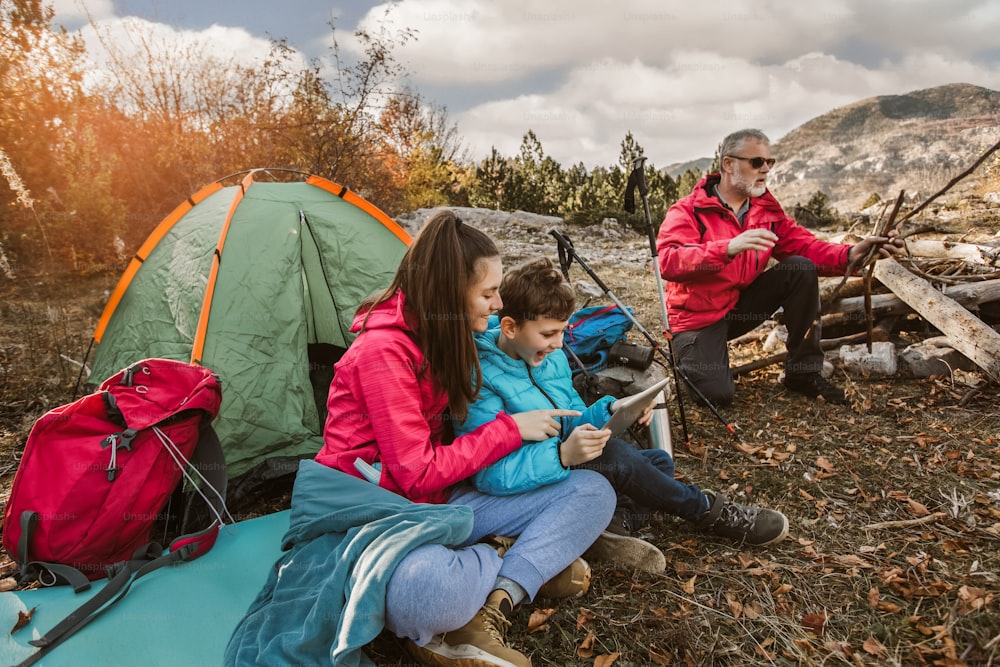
{"points": [[756, 162]]}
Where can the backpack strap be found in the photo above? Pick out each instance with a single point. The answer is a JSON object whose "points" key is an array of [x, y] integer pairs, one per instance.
{"points": [[210, 460], [38, 569], [121, 576]]}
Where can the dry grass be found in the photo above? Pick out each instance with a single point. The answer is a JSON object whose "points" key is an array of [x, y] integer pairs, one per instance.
{"points": [[894, 502]]}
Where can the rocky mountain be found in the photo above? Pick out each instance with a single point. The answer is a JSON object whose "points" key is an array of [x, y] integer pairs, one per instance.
{"points": [[676, 169], [915, 142]]}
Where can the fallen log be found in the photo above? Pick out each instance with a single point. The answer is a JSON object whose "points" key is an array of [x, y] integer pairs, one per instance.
{"points": [[970, 294], [853, 286], [965, 332], [970, 252]]}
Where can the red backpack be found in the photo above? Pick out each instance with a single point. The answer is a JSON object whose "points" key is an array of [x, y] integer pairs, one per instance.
{"points": [[97, 474]]}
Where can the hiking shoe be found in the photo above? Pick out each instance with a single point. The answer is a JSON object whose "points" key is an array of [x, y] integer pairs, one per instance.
{"points": [[813, 385], [617, 545], [478, 643], [747, 525], [619, 524], [572, 582]]}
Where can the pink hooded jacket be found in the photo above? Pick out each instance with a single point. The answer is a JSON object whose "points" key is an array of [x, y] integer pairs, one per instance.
{"points": [[704, 283], [384, 406]]}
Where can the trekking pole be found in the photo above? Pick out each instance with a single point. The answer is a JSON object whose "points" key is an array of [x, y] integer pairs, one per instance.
{"points": [[567, 253], [637, 180]]}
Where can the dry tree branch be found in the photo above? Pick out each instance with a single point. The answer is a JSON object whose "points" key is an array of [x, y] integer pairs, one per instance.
{"points": [[956, 271], [892, 223], [906, 523]]}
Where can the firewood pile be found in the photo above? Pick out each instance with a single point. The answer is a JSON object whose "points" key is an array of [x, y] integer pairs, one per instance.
{"points": [[953, 287]]}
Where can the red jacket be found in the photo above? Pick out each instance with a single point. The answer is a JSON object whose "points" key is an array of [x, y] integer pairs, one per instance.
{"points": [[703, 282], [384, 406]]}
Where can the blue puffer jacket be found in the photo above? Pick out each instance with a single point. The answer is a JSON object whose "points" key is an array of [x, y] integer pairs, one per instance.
{"points": [[511, 385]]}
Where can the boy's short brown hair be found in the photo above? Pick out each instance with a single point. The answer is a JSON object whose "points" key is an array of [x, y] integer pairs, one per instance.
{"points": [[534, 290]]}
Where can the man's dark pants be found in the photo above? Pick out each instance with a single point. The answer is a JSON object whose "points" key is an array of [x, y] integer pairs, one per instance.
{"points": [[793, 283]]}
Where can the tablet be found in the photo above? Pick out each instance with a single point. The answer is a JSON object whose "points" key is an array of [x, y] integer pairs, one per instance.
{"points": [[630, 408]]}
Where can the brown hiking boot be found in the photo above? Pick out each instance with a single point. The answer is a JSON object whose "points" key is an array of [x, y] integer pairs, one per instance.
{"points": [[572, 582], [618, 545], [629, 551], [478, 643]]}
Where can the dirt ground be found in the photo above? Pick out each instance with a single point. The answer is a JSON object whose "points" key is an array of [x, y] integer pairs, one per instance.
{"points": [[893, 556]]}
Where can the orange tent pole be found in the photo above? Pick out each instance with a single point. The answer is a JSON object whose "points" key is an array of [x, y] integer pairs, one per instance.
{"points": [[347, 195], [206, 305], [140, 256]]}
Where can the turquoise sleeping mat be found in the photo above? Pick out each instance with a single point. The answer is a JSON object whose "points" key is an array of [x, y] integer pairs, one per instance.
{"points": [[176, 615]]}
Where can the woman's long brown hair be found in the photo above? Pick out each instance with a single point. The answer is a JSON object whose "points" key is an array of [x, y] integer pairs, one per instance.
{"points": [[435, 275]]}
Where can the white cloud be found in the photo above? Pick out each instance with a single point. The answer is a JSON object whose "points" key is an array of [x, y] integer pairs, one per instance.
{"points": [[680, 75], [680, 113], [232, 42], [74, 13], [128, 33]]}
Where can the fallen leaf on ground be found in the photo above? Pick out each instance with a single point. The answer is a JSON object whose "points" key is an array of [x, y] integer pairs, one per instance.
{"points": [[874, 646], [23, 618], [814, 623], [782, 589], [606, 660], [824, 464], [735, 606], [972, 599], [586, 648], [761, 649], [917, 509], [658, 657], [539, 619], [753, 611]]}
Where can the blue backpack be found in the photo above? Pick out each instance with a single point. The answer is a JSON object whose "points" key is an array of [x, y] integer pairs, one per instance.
{"points": [[590, 334]]}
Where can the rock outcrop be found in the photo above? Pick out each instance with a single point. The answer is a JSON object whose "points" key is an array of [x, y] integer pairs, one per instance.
{"points": [[915, 142]]}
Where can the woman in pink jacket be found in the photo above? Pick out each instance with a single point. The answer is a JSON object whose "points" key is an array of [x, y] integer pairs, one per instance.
{"points": [[394, 398]]}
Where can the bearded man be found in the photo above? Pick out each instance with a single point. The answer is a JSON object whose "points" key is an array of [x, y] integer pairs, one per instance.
{"points": [[714, 248]]}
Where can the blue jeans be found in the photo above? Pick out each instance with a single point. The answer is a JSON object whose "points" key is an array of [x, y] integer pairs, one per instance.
{"points": [[436, 588], [644, 480]]}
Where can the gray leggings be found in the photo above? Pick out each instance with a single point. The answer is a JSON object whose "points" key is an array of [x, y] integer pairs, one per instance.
{"points": [[436, 588]]}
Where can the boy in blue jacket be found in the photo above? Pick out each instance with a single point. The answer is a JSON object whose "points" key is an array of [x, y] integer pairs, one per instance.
{"points": [[523, 369]]}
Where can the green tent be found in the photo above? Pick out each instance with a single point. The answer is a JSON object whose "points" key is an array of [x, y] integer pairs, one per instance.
{"points": [[258, 281]]}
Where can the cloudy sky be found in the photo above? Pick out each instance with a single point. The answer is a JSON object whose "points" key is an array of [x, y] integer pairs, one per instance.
{"points": [[678, 74]]}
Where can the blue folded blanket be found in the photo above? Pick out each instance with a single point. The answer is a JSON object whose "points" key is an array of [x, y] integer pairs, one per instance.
{"points": [[325, 598]]}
